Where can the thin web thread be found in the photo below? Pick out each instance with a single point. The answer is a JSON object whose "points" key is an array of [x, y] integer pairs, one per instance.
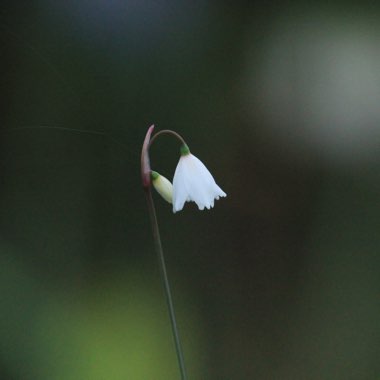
{"points": [[74, 130]]}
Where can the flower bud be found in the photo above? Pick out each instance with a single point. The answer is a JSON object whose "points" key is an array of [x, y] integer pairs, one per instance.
{"points": [[163, 186]]}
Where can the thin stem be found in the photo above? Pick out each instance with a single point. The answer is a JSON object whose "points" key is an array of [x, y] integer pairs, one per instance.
{"points": [[167, 131], [165, 281]]}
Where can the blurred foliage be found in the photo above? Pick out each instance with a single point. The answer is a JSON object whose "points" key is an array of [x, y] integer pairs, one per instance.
{"points": [[280, 280]]}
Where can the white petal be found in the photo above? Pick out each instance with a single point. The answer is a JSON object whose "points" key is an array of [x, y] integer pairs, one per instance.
{"points": [[180, 196], [193, 182]]}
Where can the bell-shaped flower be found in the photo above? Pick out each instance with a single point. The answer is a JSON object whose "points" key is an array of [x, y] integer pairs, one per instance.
{"points": [[163, 186], [193, 182]]}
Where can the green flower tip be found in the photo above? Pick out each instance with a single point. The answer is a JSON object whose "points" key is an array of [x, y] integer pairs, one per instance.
{"points": [[184, 150], [154, 175]]}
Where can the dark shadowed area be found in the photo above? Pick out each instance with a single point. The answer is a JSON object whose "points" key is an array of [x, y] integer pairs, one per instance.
{"points": [[281, 280]]}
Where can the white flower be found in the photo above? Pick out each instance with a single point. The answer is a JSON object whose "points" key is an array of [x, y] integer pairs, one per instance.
{"points": [[193, 182], [163, 186]]}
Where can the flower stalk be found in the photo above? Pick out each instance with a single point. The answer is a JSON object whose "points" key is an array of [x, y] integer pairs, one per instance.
{"points": [[192, 182], [147, 182]]}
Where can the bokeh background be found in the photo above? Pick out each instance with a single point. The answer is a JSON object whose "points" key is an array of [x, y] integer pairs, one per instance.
{"points": [[281, 280]]}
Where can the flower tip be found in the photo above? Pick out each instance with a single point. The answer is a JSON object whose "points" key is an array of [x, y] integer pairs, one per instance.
{"points": [[175, 209]]}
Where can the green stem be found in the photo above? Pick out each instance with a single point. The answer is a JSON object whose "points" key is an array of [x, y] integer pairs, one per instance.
{"points": [[165, 281]]}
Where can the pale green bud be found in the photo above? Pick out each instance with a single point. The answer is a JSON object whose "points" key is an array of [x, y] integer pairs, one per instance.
{"points": [[163, 186]]}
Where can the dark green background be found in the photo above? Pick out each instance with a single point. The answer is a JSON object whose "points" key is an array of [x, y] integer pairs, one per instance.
{"points": [[280, 280]]}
